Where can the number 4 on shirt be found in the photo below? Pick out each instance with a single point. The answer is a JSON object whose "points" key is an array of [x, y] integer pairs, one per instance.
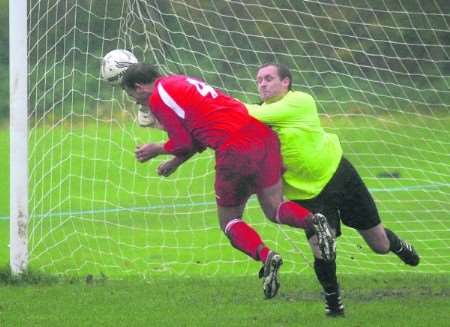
{"points": [[203, 88]]}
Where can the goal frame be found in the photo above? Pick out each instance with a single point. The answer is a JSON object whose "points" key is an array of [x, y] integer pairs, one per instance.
{"points": [[18, 107], [78, 201]]}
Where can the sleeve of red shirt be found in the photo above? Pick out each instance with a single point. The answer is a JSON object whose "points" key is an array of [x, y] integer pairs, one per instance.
{"points": [[180, 141]]}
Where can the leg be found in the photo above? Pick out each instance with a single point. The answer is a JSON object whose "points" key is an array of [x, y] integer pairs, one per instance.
{"points": [[226, 214], [359, 211], [277, 210], [376, 238], [327, 277], [402, 249], [382, 240], [235, 176], [328, 202], [232, 188], [314, 243], [293, 214], [237, 168], [247, 240], [241, 235]]}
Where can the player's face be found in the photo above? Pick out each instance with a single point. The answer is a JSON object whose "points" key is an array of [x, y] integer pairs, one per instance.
{"points": [[140, 93], [270, 87]]}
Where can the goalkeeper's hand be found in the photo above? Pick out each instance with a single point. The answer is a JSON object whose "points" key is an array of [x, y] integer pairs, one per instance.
{"points": [[146, 119]]}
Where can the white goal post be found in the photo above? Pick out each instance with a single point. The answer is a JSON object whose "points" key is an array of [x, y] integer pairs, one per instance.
{"points": [[18, 136], [81, 204]]}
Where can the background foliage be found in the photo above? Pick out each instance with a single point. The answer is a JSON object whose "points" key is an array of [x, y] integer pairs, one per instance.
{"points": [[392, 56]]}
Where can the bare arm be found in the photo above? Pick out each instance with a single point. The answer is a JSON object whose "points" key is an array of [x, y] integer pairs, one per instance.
{"points": [[149, 151], [167, 168]]}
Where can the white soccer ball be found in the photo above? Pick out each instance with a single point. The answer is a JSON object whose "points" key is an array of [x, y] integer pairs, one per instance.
{"points": [[114, 65]]}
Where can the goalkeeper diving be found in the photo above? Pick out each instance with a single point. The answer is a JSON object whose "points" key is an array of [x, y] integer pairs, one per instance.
{"points": [[319, 177]]}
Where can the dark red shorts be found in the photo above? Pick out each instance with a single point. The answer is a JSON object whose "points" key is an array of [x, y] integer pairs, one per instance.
{"points": [[247, 163]]}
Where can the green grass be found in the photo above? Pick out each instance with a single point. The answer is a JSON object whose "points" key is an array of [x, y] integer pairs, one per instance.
{"points": [[389, 300], [156, 242]]}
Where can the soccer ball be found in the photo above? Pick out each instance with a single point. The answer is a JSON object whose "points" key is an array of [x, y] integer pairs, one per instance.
{"points": [[114, 65]]}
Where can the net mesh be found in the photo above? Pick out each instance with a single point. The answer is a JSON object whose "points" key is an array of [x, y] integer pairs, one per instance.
{"points": [[379, 70]]}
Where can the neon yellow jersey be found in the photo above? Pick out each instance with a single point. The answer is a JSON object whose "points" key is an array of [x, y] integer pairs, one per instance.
{"points": [[310, 154]]}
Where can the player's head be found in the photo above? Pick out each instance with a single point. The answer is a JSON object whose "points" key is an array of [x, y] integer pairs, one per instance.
{"points": [[273, 81], [138, 81]]}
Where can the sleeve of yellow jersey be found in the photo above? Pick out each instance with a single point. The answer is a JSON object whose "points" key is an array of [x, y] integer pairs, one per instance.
{"points": [[277, 112]]}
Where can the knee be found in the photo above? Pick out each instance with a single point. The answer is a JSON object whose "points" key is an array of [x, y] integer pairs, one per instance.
{"points": [[226, 226], [380, 248], [376, 239], [272, 216], [271, 213]]}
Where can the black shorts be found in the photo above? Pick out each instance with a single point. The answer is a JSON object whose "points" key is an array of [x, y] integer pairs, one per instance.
{"points": [[345, 198]]}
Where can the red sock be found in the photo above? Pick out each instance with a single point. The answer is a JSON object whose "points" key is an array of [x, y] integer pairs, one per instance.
{"points": [[292, 214], [246, 239]]}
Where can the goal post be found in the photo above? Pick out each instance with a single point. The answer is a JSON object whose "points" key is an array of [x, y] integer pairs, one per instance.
{"points": [[379, 71], [18, 136]]}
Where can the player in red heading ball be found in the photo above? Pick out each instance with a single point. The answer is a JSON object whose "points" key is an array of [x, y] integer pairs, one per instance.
{"points": [[247, 152]]}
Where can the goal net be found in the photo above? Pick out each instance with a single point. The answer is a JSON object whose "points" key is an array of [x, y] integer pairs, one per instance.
{"points": [[379, 70]]}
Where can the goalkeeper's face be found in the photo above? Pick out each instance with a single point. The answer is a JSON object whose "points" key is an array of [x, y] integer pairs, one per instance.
{"points": [[270, 87]]}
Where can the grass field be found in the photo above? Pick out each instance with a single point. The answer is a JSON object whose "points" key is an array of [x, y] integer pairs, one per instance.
{"points": [[153, 245], [409, 300]]}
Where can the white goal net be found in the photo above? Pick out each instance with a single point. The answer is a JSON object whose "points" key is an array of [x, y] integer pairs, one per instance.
{"points": [[379, 70]]}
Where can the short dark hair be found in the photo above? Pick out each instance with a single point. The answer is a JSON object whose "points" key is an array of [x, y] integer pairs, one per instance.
{"points": [[283, 72], [139, 73]]}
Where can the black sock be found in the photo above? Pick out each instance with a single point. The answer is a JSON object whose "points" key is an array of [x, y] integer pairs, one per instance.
{"points": [[326, 274], [394, 241]]}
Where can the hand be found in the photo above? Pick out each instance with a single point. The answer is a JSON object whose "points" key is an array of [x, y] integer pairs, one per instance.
{"points": [[169, 167], [146, 119], [148, 151]]}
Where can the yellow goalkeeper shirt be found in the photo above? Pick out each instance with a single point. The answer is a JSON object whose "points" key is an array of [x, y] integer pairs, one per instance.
{"points": [[310, 154]]}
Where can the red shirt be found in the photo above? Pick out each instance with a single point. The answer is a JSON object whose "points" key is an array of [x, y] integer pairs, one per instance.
{"points": [[194, 114]]}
